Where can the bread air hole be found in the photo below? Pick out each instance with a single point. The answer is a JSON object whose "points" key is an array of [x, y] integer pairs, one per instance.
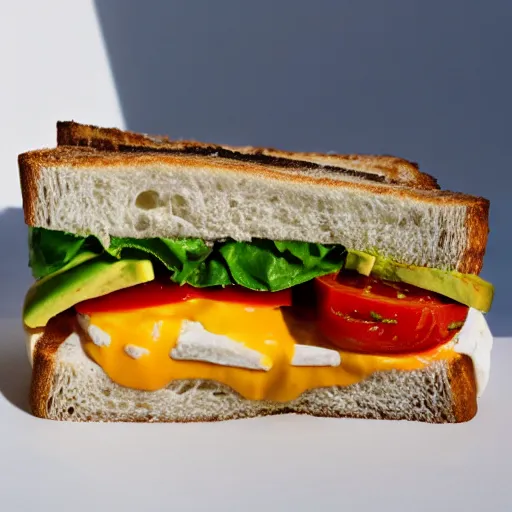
{"points": [[142, 223], [179, 205], [148, 200]]}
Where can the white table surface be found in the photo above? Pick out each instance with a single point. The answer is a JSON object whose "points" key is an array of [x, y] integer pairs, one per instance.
{"points": [[277, 463]]}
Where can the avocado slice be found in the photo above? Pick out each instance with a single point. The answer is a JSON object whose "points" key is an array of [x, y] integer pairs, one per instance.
{"points": [[77, 260], [60, 291], [467, 289], [360, 262]]}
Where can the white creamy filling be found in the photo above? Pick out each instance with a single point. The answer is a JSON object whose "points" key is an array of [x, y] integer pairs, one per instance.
{"points": [[475, 340], [31, 341]]}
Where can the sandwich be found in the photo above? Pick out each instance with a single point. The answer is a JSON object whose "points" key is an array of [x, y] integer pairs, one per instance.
{"points": [[180, 281]]}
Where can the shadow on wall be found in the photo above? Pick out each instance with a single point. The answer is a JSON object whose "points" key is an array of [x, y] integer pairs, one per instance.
{"points": [[15, 276], [401, 80], [15, 279]]}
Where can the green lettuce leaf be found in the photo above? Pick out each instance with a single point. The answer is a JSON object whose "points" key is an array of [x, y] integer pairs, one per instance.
{"points": [[190, 260], [49, 251], [262, 265], [271, 266]]}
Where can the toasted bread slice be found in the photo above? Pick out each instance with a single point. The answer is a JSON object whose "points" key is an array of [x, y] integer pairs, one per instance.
{"points": [[383, 169], [153, 194], [67, 385]]}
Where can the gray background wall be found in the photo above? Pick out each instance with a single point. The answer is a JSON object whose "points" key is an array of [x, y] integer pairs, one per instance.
{"points": [[426, 80]]}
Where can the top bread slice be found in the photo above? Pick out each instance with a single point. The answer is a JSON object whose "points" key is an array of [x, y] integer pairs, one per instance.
{"points": [[383, 169], [153, 194]]}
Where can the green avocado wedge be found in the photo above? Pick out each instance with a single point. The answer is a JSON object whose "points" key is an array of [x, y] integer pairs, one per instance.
{"points": [[468, 289], [60, 291], [359, 261]]}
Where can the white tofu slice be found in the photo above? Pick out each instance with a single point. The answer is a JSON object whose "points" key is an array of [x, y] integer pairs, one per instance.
{"points": [[195, 343], [309, 355]]}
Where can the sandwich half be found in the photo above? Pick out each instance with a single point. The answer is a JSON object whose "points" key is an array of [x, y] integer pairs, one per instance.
{"points": [[185, 281]]}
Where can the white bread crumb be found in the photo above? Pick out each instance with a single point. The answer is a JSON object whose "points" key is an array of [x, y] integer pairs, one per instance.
{"points": [[309, 355], [135, 352]]}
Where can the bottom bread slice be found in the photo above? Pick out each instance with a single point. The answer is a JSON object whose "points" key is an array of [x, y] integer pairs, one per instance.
{"points": [[67, 385]]}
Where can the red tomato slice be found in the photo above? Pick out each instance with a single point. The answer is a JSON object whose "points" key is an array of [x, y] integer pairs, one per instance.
{"points": [[366, 315], [159, 293]]}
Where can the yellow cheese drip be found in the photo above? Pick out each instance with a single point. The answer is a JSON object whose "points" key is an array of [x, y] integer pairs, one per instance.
{"points": [[251, 326]]}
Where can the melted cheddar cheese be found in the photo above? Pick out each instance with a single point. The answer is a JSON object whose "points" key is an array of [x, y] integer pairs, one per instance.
{"points": [[272, 332]]}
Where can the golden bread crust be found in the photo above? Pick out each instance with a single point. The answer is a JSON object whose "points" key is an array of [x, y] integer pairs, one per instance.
{"points": [[391, 169], [478, 232], [461, 376], [57, 330]]}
